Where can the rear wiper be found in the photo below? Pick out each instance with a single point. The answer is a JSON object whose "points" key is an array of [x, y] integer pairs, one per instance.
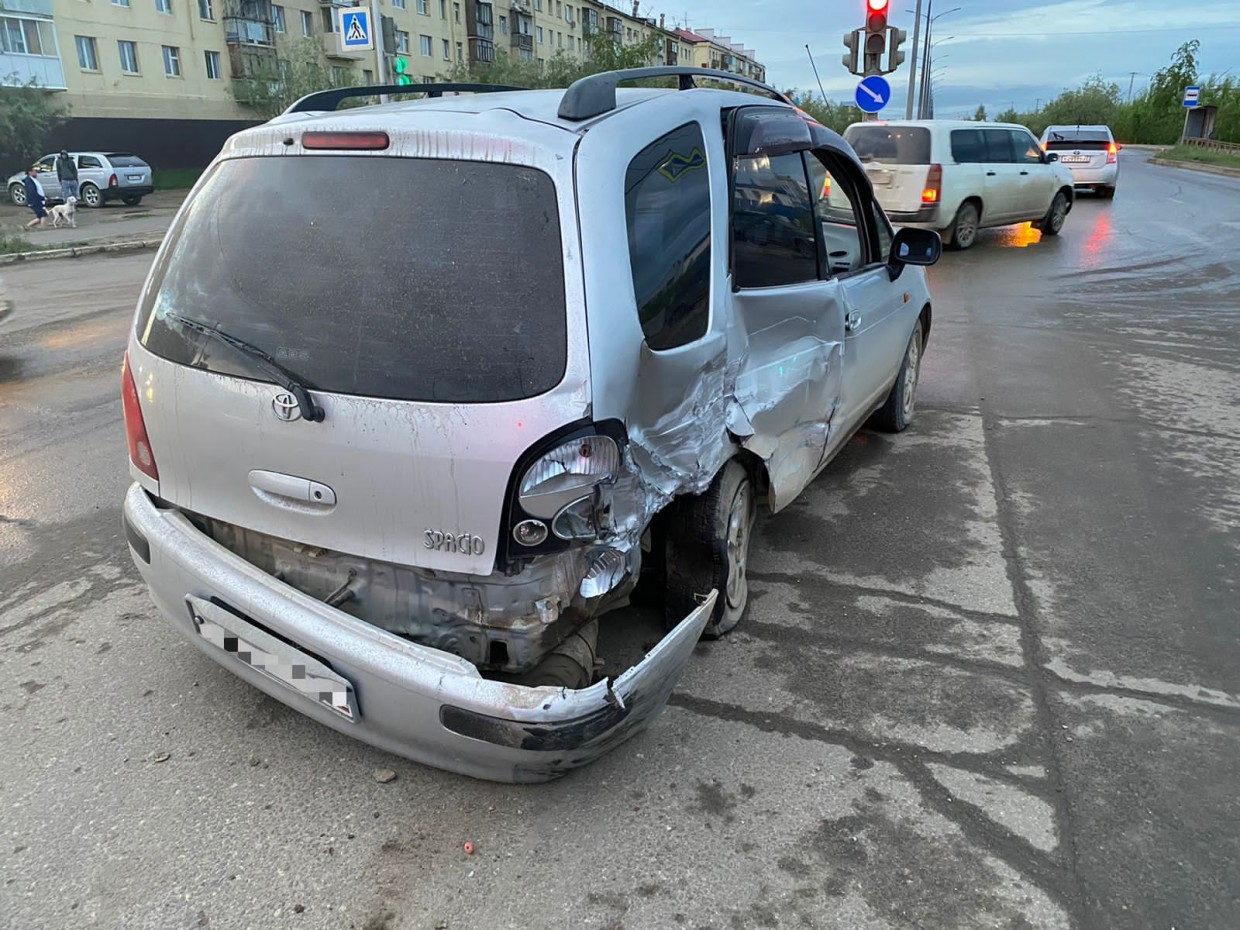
{"points": [[282, 376]]}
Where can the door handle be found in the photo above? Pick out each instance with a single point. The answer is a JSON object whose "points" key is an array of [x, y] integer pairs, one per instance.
{"points": [[1024, 172], [851, 321], [990, 174]]}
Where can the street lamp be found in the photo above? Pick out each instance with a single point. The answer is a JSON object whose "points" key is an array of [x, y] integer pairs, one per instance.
{"points": [[925, 64]]}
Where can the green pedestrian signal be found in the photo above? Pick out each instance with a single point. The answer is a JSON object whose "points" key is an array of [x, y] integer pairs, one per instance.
{"points": [[402, 68]]}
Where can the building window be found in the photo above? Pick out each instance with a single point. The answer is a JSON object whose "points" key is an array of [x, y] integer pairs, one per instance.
{"points": [[425, 43], [424, 8], [447, 50], [460, 52], [443, 9], [538, 5], [559, 8], [120, 2], [456, 12], [540, 41], [163, 6], [570, 43], [559, 39], [399, 4], [503, 25], [277, 13], [340, 76], [307, 24], [88, 53], [128, 52], [214, 73], [204, 10], [329, 19], [172, 61], [568, 14], [402, 42], [27, 37], [368, 77]]}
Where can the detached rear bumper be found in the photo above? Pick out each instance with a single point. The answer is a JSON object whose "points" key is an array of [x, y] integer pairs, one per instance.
{"points": [[407, 699]]}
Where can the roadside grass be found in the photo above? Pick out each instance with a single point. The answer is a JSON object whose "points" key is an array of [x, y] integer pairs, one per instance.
{"points": [[176, 179], [1203, 156], [9, 244]]}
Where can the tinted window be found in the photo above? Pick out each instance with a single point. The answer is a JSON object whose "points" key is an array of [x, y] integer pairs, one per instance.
{"points": [[772, 223], [411, 279], [998, 145], [968, 146], [667, 203], [1084, 139], [89, 161], [126, 161], [892, 145], [1026, 147]]}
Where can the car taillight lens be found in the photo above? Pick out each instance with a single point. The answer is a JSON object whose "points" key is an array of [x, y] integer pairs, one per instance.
{"points": [[112, 182], [560, 478], [934, 183], [135, 428], [1112, 153]]}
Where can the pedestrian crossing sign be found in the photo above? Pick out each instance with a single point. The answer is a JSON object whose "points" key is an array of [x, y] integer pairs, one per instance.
{"points": [[355, 30]]}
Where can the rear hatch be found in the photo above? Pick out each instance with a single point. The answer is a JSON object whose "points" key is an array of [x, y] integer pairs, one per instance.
{"points": [[1079, 148], [428, 303], [130, 170], [897, 160]]}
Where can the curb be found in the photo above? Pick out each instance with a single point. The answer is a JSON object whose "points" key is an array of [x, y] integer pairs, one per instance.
{"points": [[5, 308], [43, 255], [1221, 170]]}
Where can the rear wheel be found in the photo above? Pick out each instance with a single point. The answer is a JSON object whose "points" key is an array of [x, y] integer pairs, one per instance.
{"points": [[963, 231], [131, 200], [708, 548], [1053, 221], [91, 195], [1106, 193], [896, 414], [17, 194]]}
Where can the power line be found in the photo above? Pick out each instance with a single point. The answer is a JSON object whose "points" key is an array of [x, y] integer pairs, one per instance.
{"points": [[1101, 32]]}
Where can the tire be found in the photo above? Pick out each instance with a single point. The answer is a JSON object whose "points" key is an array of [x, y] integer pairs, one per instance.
{"points": [[131, 200], [91, 195], [963, 231], [707, 542], [896, 413], [17, 194], [1053, 221], [1106, 193]]}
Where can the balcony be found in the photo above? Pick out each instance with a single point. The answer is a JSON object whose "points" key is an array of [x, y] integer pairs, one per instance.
{"points": [[333, 47], [337, 3], [30, 52], [520, 41], [522, 6]]}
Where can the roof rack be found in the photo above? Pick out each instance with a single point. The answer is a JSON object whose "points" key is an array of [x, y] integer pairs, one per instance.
{"points": [[595, 94], [331, 99]]}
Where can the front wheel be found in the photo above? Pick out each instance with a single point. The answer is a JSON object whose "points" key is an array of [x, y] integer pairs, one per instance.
{"points": [[895, 415], [1058, 212], [17, 194], [708, 548], [91, 195], [963, 231]]}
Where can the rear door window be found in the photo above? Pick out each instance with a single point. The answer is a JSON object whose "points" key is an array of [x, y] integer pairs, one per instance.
{"points": [[120, 160], [400, 278], [999, 148], [89, 161], [968, 146], [773, 241], [891, 145], [667, 206]]}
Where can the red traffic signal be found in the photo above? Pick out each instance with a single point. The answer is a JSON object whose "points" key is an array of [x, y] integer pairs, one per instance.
{"points": [[879, 6], [876, 17]]}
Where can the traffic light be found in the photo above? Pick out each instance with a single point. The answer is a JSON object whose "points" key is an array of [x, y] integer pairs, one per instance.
{"points": [[389, 34], [895, 57], [852, 42], [401, 66], [875, 35]]}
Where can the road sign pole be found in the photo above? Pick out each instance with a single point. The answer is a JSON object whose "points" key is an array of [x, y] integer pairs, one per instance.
{"points": [[376, 26]]}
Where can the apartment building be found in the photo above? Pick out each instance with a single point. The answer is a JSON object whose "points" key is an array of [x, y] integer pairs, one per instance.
{"points": [[175, 78]]}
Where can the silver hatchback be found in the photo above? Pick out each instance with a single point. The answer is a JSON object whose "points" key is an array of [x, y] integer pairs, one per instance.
{"points": [[401, 443], [101, 177]]}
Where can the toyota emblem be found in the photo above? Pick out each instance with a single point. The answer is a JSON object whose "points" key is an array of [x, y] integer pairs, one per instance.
{"points": [[285, 407]]}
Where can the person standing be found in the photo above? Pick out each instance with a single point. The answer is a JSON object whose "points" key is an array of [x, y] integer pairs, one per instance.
{"points": [[67, 174], [35, 199]]}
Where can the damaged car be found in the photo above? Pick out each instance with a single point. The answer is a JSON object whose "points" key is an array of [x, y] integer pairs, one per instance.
{"points": [[402, 443]]}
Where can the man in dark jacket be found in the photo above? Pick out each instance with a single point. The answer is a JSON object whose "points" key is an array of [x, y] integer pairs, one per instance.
{"points": [[34, 197], [66, 172]]}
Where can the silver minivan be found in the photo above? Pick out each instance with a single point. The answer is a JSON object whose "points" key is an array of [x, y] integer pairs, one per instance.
{"points": [[401, 445], [102, 176]]}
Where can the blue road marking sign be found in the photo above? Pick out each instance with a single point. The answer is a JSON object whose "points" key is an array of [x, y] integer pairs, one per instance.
{"points": [[873, 93], [1192, 97], [355, 32]]}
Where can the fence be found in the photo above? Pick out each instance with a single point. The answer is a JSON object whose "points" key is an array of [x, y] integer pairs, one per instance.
{"points": [[1231, 148]]}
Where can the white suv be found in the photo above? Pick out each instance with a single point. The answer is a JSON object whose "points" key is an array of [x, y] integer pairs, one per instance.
{"points": [[958, 176], [1090, 153]]}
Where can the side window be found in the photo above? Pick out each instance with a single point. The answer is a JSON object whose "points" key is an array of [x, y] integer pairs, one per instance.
{"points": [[843, 238], [48, 164], [1026, 147], [885, 236], [89, 161], [773, 241], [667, 204], [968, 146], [999, 146]]}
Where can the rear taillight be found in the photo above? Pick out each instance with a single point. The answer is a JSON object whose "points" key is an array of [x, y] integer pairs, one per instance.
{"points": [[112, 182], [1112, 153], [135, 428], [826, 188], [934, 183], [365, 141]]}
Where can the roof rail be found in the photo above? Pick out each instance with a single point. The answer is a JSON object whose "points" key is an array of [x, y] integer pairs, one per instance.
{"points": [[595, 94], [331, 99]]}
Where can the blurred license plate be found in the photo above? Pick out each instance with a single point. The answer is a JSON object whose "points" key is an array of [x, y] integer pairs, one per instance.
{"points": [[1075, 159], [134, 177], [880, 177], [273, 657]]}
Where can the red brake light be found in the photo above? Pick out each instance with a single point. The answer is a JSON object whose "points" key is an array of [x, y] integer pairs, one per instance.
{"points": [[135, 428], [934, 182], [372, 141], [112, 182], [1112, 149]]}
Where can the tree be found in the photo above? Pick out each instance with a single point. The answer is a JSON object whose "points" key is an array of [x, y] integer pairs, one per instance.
{"points": [[980, 114], [837, 116], [600, 53], [300, 67], [29, 116], [1008, 116]]}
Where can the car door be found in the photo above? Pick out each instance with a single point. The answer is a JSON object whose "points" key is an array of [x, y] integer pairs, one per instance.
{"points": [[856, 243], [47, 177], [1003, 178], [786, 321], [1037, 179], [92, 170]]}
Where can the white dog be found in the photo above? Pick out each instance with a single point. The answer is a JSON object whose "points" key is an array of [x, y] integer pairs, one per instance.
{"points": [[66, 211]]}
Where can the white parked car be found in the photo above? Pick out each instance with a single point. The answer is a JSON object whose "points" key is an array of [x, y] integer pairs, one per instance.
{"points": [[1089, 152], [958, 176]]}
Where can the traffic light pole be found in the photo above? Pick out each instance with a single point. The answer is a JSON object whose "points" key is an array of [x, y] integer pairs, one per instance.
{"points": [[912, 71], [381, 52]]}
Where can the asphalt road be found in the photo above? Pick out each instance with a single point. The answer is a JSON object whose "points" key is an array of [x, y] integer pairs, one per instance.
{"points": [[991, 677]]}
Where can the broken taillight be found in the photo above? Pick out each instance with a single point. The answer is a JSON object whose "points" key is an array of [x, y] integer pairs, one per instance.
{"points": [[934, 183], [135, 428]]}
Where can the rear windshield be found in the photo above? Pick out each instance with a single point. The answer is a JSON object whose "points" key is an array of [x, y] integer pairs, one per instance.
{"points": [[1084, 139], [400, 278], [892, 145], [126, 161]]}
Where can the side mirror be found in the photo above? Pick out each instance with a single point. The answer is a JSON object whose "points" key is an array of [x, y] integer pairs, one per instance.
{"points": [[1052, 156], [913, 246]]}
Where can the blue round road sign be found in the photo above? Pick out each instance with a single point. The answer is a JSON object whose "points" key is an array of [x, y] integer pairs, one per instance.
{"points": [[873, 93]]}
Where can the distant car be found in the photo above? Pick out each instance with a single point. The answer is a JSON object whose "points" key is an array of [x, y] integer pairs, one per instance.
{"points": [[1089, 152], [958, 176], [101, 177]]}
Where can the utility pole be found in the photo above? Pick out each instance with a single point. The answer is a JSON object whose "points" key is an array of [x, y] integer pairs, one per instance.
{"points": [[1132, 76], [912, 69]]}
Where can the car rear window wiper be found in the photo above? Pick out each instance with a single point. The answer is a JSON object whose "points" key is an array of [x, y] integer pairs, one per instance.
{"points": [[282, 376]]}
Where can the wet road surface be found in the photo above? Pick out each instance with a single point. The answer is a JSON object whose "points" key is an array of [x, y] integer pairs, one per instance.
{"points": [[991, 676]]}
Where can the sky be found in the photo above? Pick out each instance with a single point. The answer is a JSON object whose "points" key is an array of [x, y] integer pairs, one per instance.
{"points": [[1004, 52]]}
